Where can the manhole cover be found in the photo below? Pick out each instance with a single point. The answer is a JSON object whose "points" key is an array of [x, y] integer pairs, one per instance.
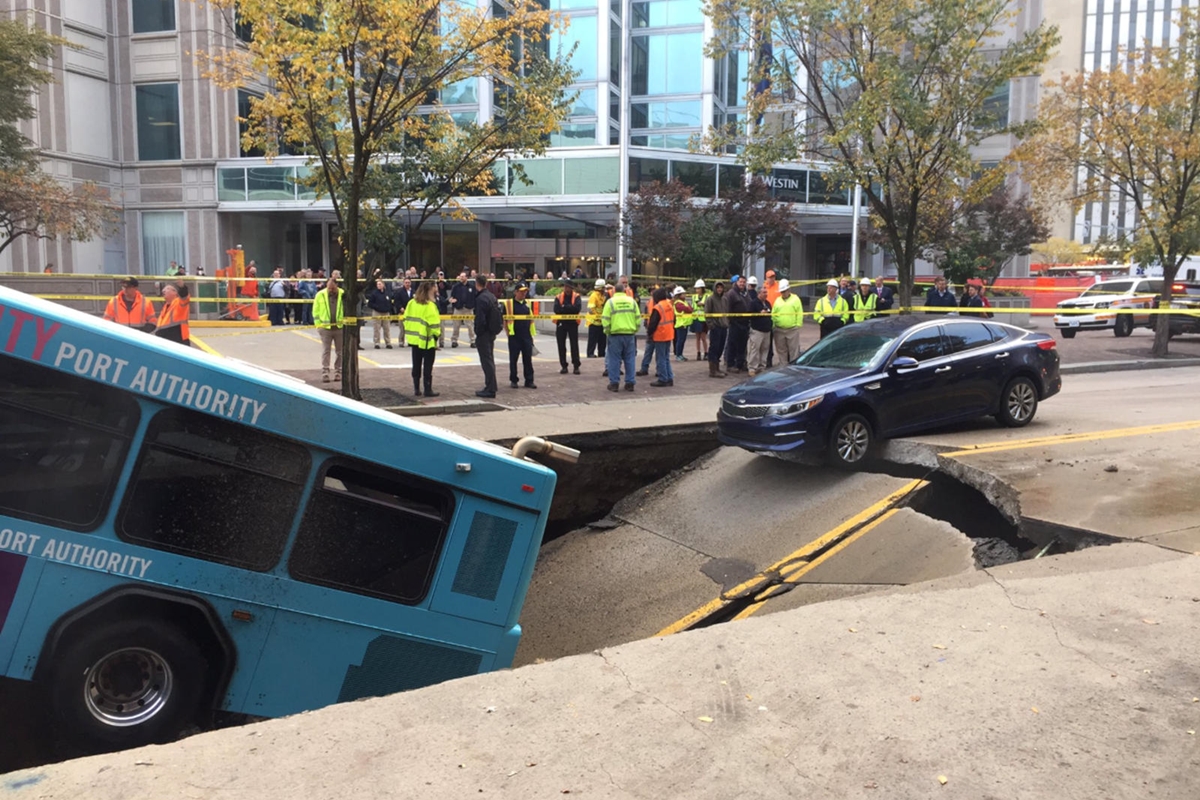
{"points": [[384, 398]]}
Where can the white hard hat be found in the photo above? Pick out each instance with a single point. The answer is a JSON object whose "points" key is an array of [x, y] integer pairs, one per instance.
{"points": [[599, 284], [699, 285], [864, 281], [784, 285], [752, 280], [833, 283], [678, 291]]}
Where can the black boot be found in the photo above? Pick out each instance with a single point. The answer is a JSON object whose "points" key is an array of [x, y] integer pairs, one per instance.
{"points": [[416, 388], [429, 392]]}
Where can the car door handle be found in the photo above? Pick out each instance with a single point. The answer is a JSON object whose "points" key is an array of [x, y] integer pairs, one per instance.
{"points": [[1002, 355], [941, 369]]}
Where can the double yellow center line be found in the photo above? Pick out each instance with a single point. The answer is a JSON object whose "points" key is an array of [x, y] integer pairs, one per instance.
{"points": [[796, 564], [788, 571]]}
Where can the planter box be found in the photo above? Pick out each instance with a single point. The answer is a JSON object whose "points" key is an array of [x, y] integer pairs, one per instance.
{"points": [[1012, 317]]}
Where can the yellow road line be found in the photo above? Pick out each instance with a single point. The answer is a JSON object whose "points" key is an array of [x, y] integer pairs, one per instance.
{"points": [[816, 562], [866, 515], [1072, 438], [196, 340]]}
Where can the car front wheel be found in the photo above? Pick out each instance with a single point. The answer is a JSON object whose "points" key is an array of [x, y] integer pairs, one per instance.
{"points": [[1018, 403], [1067, 333], [850, 441], [1123, 326]]}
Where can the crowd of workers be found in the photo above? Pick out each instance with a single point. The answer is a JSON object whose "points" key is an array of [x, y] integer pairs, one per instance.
{"points": [[739, 327]]}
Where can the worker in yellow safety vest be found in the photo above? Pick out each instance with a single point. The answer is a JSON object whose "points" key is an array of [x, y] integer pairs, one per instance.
{"points": [[832, 311], [787, 315], [864, 301], [621, 318]]}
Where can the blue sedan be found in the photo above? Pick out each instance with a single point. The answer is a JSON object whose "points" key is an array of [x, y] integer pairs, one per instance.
{"points": [[889, 377]]}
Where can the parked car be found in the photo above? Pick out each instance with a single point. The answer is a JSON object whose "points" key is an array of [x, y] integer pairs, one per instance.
{"points": [[888, 377], [1185, 297], [1105, 298]]}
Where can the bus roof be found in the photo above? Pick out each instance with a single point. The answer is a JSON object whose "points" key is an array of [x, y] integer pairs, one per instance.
{"points": [[71, 341]]}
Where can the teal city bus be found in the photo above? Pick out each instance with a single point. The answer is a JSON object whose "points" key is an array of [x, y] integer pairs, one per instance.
{"points": [[180, 534]]}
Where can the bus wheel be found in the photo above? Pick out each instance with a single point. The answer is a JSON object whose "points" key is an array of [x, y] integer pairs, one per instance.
{"points": [[126, 685]]}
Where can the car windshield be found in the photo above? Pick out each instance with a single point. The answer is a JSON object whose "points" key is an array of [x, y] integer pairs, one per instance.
{"points": [[849, 348], [1112, 287]]}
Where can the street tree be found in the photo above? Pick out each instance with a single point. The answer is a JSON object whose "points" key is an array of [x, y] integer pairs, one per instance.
{"points": [[361, 87], [756, 222], [1129, 135], [989, 233], [32, 202], [893, 96], [654, 218], [666, 221], [1057, 250]]}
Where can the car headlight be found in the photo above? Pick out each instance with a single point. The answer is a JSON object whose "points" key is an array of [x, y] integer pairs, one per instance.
{"points": [[1101, 305], [792, 409]]}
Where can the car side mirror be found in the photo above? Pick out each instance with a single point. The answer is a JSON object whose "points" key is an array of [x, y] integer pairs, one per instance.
{"points": [[903, 363]]}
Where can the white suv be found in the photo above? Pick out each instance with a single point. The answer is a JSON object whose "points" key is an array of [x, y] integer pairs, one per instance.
{"points": [[1105, 297]]}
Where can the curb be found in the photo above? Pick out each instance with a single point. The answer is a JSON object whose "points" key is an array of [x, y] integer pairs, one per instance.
{"points": [[449, 407], [1126, 366]]}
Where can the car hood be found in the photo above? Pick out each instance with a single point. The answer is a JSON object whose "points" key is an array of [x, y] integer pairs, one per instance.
{"points": [[785, 383], [1090, 300]]}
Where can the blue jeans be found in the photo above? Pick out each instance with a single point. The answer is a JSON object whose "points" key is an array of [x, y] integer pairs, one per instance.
{"points": [[622, 349], [680, 340], [662, 354]]}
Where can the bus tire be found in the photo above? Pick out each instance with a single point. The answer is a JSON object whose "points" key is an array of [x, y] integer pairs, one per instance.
{"points": [[127, 684]]}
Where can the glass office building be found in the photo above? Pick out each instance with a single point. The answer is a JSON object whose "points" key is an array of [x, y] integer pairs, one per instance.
{"points": [[133, 112]]}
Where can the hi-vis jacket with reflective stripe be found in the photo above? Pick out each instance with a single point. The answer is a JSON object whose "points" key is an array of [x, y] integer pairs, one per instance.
{"points": [[622, 315], [864, 308], [523, 309], [422, 325], [322, 316], [836, 308], [137, 315]]}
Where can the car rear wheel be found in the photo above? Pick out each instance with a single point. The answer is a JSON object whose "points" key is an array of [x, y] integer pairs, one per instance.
{"points": [[1018, 403], [850, 441], [1067, 333], [1123, 326]]}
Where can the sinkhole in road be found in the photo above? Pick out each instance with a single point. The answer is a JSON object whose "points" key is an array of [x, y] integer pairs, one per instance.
{"points": [[617, 464]]}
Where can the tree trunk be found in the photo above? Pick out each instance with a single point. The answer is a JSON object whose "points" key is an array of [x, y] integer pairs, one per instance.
{"points": [[350, 332]]}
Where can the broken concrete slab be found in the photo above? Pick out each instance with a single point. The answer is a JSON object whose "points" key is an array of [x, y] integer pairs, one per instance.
{"points": [[1064, 677]]}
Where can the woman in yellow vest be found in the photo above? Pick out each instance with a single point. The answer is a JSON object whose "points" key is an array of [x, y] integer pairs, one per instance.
{"points": [[422, 326]]}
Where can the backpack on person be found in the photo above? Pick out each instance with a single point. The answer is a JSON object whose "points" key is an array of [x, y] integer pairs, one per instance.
{"points": [[495, 320]]}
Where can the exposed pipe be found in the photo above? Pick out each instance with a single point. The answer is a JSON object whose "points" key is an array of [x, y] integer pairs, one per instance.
{"points": [[535, 444]]}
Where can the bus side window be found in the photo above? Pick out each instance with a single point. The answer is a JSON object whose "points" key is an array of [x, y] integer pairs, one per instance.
{"points": [[63, 441], [212, 489], [372, 531]]}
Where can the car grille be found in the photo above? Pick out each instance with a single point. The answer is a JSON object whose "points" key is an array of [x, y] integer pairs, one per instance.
{"points": [[745, 412]]}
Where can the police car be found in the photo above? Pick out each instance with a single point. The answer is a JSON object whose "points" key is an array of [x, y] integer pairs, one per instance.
{"points": [[1103, 300]]}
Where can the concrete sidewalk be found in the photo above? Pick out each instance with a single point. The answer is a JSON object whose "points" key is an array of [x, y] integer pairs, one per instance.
{"points": [[1066, 677], [386, 373]]}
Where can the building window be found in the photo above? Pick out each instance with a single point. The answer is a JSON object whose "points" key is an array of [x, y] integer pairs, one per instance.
{"points": [[158, 121], [668, 63], [153, 16], [162, 241], [995, 108], [65, 440], [581, 34], [199, 479], [245, 101], [372, 531]]}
